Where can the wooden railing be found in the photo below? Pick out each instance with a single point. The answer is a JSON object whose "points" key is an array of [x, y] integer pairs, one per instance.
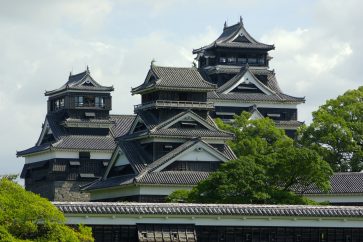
{"points": [[175, 104]]}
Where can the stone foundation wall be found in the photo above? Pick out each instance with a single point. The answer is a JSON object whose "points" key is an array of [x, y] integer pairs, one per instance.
{"points": [[62, 191], [70, 191]]}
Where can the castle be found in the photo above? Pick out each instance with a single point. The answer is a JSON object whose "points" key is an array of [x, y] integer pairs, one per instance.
{"points": [[84, 153]]}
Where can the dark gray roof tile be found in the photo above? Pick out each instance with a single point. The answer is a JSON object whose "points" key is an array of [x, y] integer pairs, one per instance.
{"points": [[255, 97], [229, 34], [175, 78], [137, 156], [74, 82], [341, 183], [110, 182], [33, 149], [86, 142], [174, 177], [207, 209], [122, 124]]}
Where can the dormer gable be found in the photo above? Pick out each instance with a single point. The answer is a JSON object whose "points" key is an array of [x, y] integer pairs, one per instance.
{"points": [[245, 82], [80, 82], [119, 165], [241, 39], [198, 153], [187, 119], [138, 126], [255, 114], [46, 136]]}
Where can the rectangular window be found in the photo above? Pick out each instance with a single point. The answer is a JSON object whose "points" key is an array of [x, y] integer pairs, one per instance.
{"points": [[242, 60], [261, 61], [56, 104], [74, 163], [61, 103], [88, 101], [222, 60], [79, 101], [100, 102], [232, 60], [252, 60]]}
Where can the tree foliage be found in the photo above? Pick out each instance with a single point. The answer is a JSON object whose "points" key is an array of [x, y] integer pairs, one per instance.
{"points": [[25, 216], [336, 132], [268, 169]]}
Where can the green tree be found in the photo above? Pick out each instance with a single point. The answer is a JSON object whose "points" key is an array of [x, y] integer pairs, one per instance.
{"points": [[269, 167], [25, 216], [336, 132]]}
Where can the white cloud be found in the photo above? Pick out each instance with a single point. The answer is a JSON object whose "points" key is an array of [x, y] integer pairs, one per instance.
{"points": [[317, 62], [43, 40]]}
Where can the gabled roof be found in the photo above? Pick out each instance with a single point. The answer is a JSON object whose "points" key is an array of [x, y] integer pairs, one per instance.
{"points": [[185, 147], [164, 129], [80, 82], [271, 91], [235, 36], [341, 183], [239, 78], [147, 170], [71, 140], [174, 78]]}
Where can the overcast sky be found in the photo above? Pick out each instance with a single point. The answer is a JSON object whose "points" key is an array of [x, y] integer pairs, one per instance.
{"points": [[319, 52]]}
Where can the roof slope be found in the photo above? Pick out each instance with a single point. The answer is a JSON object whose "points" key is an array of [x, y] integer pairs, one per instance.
{"points": [[269, 83], [70, 139], [207, 209], [235, 36], [341, 183], [174, 78], [146, 168], [77, 81]]}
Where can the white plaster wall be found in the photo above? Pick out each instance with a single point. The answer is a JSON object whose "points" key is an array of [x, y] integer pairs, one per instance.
{"points": [[196, 155], [213, 220], [122, 160], [259, 105], [64, 154]]}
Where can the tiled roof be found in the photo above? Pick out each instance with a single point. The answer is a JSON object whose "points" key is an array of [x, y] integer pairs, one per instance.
{"points": [[122, 124], [207, 209], [136, 155], [86, 142], [175, 78], [229, 34], [34, 149], [255, 97], [74, 82], [158, 129], [173, 153], [174, 177], [65, 139], [145, 168], [269, 75], [193, 132], [341, 183], [110, 182], [288, 123], [149, 119]]}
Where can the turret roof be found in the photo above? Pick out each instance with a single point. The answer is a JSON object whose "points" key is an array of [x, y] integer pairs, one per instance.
{"points": [[174, 78], [235, 36], [79, 82]]}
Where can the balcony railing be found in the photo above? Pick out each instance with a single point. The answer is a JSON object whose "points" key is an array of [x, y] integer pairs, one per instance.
{"points": [[175, 104], [89, 105]]}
